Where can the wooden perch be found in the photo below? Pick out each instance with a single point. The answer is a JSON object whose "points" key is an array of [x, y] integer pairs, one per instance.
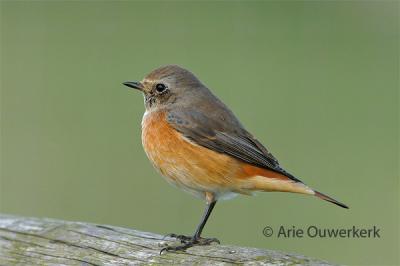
{"points": [[34, 241]]}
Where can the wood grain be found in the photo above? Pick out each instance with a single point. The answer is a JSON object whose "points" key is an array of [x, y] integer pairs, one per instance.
{"points": [[34, 241]]}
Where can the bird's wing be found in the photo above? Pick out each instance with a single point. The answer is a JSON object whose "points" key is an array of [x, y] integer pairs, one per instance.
{"points": [[224, 136]]}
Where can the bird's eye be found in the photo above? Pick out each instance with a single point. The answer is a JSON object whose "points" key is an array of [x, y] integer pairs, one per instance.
{"points": [[160, 87]]}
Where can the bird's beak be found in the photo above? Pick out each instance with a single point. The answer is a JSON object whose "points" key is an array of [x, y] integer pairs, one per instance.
{"points": [[134, 84]]}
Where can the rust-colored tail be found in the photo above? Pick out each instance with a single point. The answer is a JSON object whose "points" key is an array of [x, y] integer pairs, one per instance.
{"points": [[327, 198]]}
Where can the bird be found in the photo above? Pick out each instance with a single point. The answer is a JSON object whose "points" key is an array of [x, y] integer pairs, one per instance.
{"points": [[196, 142]]}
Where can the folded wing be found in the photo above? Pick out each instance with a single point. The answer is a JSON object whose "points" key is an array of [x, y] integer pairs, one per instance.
{"points": [[224, 136]]}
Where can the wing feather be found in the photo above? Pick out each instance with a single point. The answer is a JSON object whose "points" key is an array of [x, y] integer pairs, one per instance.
{"points": [[230, 137]]}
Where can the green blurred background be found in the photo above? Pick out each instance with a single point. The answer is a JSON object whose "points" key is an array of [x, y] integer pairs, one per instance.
{"points": [[316, 82]]}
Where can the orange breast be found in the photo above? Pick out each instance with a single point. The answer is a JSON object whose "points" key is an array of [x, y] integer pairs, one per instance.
{"points": [[197, 169], [185, 164]]}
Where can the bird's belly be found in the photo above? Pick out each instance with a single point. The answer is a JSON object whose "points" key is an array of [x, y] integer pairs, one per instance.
{"points": [[185, 164]]}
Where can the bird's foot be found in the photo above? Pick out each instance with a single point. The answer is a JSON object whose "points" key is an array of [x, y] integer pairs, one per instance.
{"points": [[188, 242], [182, 238]]}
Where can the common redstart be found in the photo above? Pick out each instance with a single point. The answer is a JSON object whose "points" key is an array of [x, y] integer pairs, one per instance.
{"points": [[194, 140]]}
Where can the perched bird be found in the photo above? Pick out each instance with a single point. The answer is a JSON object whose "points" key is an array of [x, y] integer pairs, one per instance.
{"points": [[198, 144]]}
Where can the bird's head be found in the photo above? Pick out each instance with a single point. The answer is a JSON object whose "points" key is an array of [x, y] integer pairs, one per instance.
{"points": [[166, 86]]}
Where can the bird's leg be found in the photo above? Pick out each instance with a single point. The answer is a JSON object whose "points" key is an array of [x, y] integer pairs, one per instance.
{"points": [[195, 240]]}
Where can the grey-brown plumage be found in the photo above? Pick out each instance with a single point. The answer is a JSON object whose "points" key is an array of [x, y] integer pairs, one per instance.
{"points": [[207, 121], [199, 145]]}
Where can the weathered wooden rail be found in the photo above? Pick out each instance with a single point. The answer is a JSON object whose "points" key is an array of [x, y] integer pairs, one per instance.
{"points": [[34, 241]]}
